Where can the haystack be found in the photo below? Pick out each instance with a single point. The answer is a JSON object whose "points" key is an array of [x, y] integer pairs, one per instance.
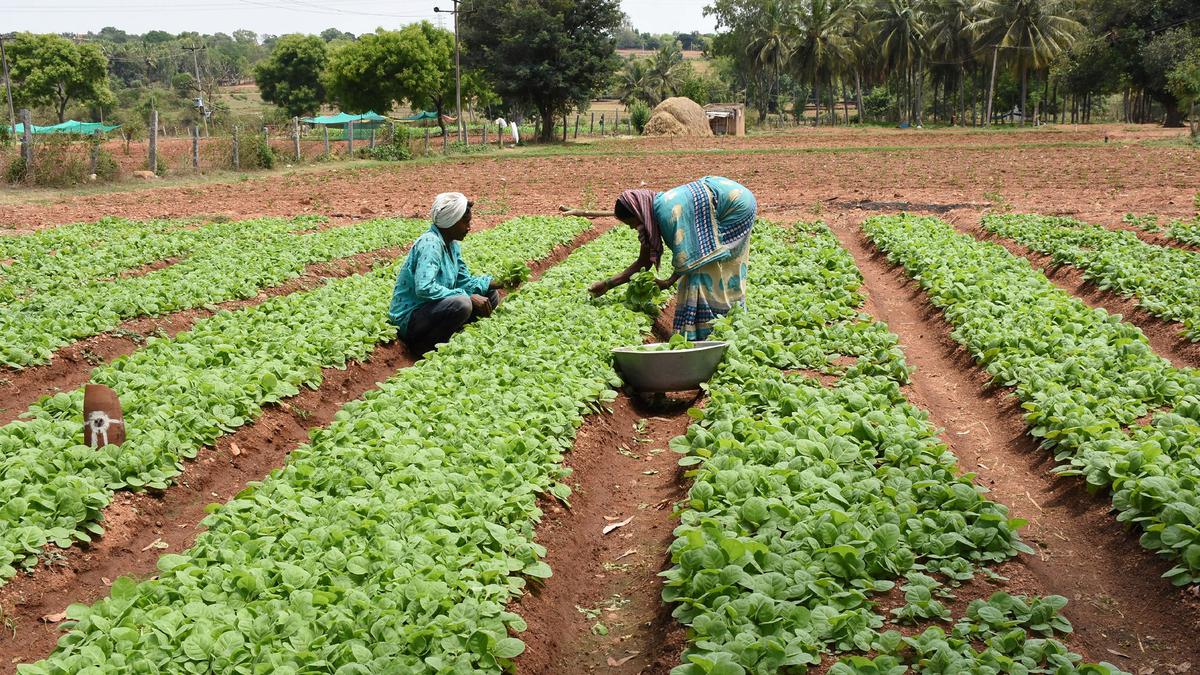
{"points": [[678, 116]]}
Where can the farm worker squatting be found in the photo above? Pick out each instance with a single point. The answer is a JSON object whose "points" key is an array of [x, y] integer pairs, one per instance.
{"points": [[706, 223], [435, 293]]}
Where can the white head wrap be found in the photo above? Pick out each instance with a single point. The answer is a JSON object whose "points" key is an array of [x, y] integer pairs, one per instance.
{"points": [[448, 209]]}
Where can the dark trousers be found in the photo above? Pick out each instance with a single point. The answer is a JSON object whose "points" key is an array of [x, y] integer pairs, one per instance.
{"points": [[434, 322]]}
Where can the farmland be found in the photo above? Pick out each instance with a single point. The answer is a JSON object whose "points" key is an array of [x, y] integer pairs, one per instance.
{"points": [[956, 430]]}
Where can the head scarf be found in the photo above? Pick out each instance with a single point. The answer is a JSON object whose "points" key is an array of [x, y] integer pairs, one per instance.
{"points": [[641, 203], [448, 209]]}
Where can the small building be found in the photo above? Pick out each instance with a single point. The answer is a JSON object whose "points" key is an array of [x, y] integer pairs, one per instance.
{"points": [[726, 119]]}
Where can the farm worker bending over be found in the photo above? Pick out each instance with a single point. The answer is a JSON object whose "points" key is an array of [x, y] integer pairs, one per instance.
{"points": [[706, 223], [435, 294]]}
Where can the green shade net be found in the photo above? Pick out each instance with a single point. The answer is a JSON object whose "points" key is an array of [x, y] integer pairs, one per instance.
{"points": [[344, 118], [69, 127]]}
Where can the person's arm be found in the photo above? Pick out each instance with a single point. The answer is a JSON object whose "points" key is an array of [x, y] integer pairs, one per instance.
{"points": [[643, 262], [470, 284], [426, 286]]}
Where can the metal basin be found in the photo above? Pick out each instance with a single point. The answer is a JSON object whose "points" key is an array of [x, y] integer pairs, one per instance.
{"points": [[679, 370]]}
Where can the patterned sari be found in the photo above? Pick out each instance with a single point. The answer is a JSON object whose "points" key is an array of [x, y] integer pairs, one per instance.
{"points": [[707, 224]]}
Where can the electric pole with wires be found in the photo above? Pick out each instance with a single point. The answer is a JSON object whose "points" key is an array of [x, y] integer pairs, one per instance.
{"points": [[462, 123], [199, 88]]}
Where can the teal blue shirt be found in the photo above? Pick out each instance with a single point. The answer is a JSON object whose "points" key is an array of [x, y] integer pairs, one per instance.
{"points": [[433, 270]]}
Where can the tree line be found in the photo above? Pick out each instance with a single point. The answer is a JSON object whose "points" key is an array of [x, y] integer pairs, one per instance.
{"points": [[964, 60]]}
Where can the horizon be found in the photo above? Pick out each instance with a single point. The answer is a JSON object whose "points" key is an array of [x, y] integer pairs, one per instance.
{"points": [[274, 17]]}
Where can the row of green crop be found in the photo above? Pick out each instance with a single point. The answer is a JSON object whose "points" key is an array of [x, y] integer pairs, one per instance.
{"points": [[809, 501], [1185, 231], [74, 254], [1086, 378], [179, 394], [237, 262], [391, 543], [1165, 280]]}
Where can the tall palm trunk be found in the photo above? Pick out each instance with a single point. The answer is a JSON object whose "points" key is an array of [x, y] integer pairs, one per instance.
{"points": [[1024, 93], [962, 97], [817, 98], [862, 115], [987, 121]]}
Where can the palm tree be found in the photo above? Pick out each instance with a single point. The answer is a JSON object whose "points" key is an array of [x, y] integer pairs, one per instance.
{"points": [[1036, 30], [952, 41], [900, 29], [822, 30], [770, 49], [665, 70], [636, 83]]}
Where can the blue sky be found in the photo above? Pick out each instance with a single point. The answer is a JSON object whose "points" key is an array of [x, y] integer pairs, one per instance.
{"points": [[290, 16]]}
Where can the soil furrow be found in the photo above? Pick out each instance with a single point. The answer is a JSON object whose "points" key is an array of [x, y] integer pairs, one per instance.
{"points": [[602, 608], [141, 527], [1122, 610], [1166, 337], [71, 367]]}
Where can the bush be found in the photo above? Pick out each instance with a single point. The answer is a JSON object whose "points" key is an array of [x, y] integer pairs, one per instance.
{"points": [[639, 114], [256, 153], [15, 173], [107, 168], [397, 150]]}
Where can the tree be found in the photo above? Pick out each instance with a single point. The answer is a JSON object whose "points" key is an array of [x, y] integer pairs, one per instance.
{"points": [[1160, 57], [900, 29], [823, 45], [1184, 83], [291, 76], [952, 41], [52, 70], [667, 70], [635, 82], [548, 55], [1034, 31], [414, 66]]}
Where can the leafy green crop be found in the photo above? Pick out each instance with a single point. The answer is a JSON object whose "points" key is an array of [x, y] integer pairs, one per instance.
{"points": [[180, 394], [1165, 280], [809, 500], [1085, 379], [391, 543], [1185, 231], [236, 260], [642, 293], [676, 343]]}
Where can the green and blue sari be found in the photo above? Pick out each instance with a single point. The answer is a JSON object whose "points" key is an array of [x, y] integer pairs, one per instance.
{"points": [[707, 224]]}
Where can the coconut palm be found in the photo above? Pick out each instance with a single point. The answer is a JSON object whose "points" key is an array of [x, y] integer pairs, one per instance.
{"points": [[952, 41], [770, 48], [636, 82], [822, 30], [666, 71], [1036, 31], [900, 28]]}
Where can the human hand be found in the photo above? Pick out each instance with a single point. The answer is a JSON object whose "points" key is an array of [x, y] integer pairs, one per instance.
{"points": [[598, 289], [664, 284], [481, 306]]}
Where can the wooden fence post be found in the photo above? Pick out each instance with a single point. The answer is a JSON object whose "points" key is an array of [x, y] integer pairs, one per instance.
{"points": [[483, 137], [602, 125], [445, 143], [576, 125], [296, 136], [325, 127], [350, 139], [237, 151], [426, 141], [617, 122], [27, 141], [195, 147], [500, 136], [371, 142], [95, 158], [592, 124], [152, 158]]}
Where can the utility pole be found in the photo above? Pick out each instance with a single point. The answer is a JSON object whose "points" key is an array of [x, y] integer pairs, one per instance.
{"points": [[199, 88], [12, 115], [462, 123]]}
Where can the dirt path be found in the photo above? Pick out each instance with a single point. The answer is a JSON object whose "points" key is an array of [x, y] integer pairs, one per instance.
{"points": [[71, 367], [602, 608], [141, 527], [1122, 610], [1165, 336]]}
